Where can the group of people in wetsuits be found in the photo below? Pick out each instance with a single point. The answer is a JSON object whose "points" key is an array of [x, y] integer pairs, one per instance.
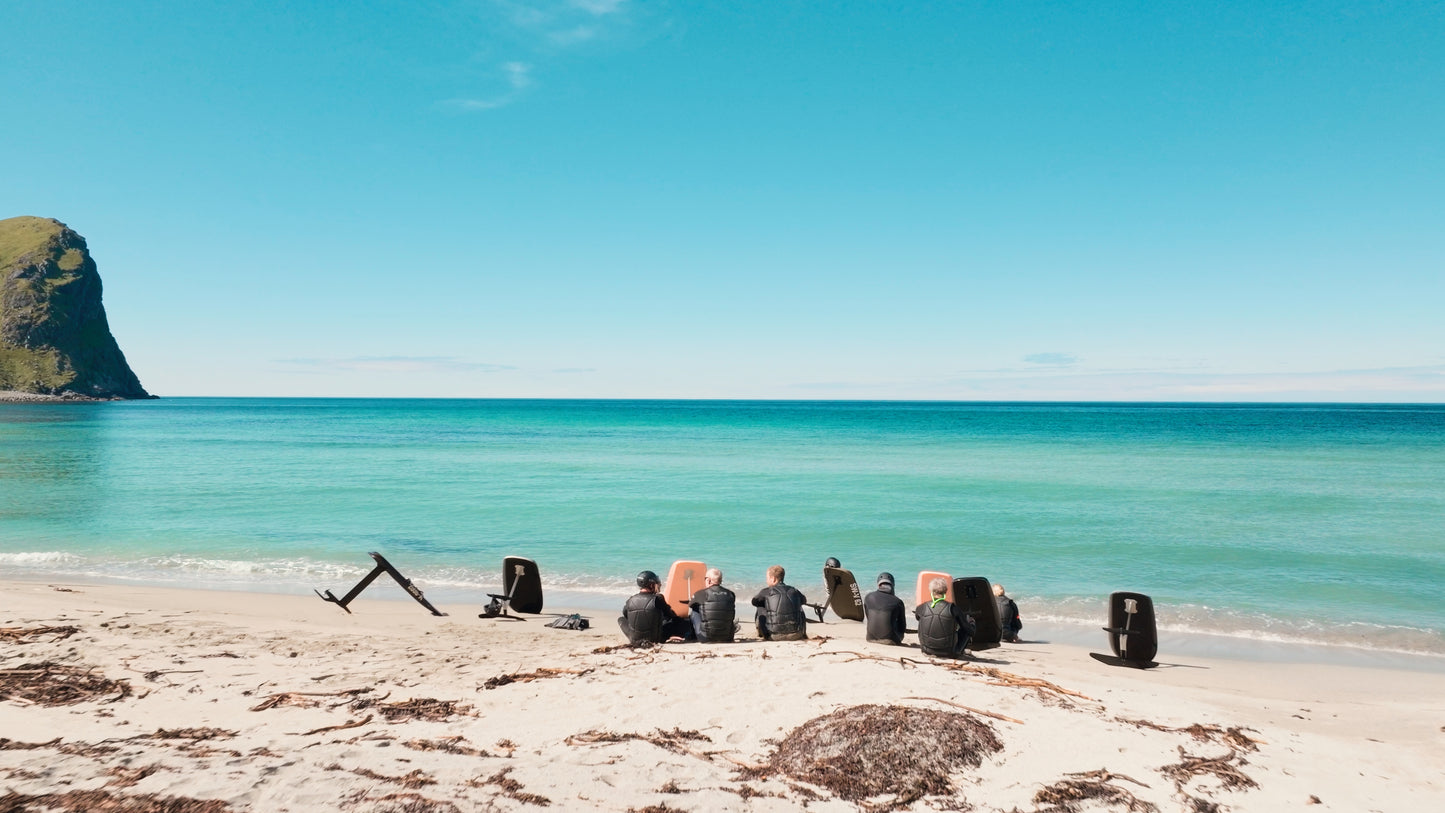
{"points": [[943, 629]]}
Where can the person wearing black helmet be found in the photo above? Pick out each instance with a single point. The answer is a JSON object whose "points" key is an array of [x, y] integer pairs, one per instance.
{"points": [[832, 562], [884, 613], [646, 618]]}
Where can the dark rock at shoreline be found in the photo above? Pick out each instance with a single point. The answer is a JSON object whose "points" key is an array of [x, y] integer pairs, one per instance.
{"points": [[54, 337]]}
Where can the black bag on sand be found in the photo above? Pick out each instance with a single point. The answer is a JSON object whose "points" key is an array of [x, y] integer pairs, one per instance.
{"points": [[570, 622]]}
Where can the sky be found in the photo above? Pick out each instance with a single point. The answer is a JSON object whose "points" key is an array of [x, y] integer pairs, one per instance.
{"points": [[827, 200]]}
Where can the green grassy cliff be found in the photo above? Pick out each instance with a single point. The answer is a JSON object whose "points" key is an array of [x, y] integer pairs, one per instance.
{"points": [[54, 338]]}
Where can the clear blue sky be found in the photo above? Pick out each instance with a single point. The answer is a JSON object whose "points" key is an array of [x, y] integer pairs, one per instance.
{"points": [[1136, 201]]}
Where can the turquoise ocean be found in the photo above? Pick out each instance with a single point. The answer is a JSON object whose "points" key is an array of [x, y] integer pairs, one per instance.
{"points": [[1262, 525]]}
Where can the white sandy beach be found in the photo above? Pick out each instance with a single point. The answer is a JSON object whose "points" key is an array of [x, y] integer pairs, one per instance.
{"points": [[235, 701]]}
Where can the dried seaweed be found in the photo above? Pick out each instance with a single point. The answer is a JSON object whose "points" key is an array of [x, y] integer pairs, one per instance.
{"points": [[103, 801], [7, 744], [662, 808], [125, 777], [193, 734], [994, 715], [528, 677], [22, 635], [342, 727], [998, 677], [450, 745], [415, 779], [511, 788], [639, 646], [1065, 795], [55, 684], [868, 751], [1224, 768], [674, 740], [419, 708], [305, 700], [1233, 736], [401, 803]]}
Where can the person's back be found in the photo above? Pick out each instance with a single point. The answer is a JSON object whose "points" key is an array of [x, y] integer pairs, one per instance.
{"points": [[943, 631], [780, 610], [1008, 614], [883, 613], [714, 610], [645, 614]]}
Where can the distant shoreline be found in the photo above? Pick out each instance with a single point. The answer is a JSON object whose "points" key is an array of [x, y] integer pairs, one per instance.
{"points": [[17, 397]]}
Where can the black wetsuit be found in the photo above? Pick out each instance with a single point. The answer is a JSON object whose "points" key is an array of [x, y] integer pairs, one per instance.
{"points": [[647, 618], [780, 613], [884, 616], [1008, 617], [714, 611], [943, 630]]}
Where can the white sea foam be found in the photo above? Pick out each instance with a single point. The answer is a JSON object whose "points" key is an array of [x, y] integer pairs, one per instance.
{"points": [[38, 559]]}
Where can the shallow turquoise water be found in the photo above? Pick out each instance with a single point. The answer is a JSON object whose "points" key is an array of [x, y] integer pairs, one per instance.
{"points": [[1317, 523]]}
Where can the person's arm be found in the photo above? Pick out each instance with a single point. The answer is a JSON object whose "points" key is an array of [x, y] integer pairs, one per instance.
{"points": [[761, 599], [900, 622], [666, 609], [695, 605]]}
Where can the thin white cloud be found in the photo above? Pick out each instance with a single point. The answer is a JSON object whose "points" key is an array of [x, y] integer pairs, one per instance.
{"points": [[519, 74], [389, 364], [599, 7], [1051, 359], [1425, 384], [516, 75], [572, 36]]}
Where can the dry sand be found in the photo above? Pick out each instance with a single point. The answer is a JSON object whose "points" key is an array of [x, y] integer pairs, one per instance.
{"points": [[213, 701]]}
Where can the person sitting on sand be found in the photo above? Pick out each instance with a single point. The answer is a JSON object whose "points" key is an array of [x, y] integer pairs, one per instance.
{"points": [[1008, 615], [943, 630], [883, 613], [646, 618], [713, 610], [780, 610]]}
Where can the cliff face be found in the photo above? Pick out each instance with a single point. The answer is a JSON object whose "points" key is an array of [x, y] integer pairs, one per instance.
{"points": [[54, 338]]}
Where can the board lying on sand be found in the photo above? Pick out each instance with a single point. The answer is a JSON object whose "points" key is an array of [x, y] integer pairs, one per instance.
{"points": [[382, 566], [844, 598], [974, 596], [683, 579], [924, 594], [1133, 635]]}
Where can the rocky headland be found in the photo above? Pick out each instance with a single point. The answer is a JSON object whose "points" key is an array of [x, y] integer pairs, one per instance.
{"points": [[55, 342]]}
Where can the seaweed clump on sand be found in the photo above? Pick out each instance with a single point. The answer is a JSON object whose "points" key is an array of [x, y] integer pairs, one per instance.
{"points": [[863, 752], [102, 801], [55, 684]]}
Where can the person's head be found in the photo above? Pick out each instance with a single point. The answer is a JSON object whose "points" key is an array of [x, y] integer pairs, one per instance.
{"points": [[648, 582], [998, 589], [938, 587], [832, 562], [885, 582], [775, 574], [712, 576]]}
